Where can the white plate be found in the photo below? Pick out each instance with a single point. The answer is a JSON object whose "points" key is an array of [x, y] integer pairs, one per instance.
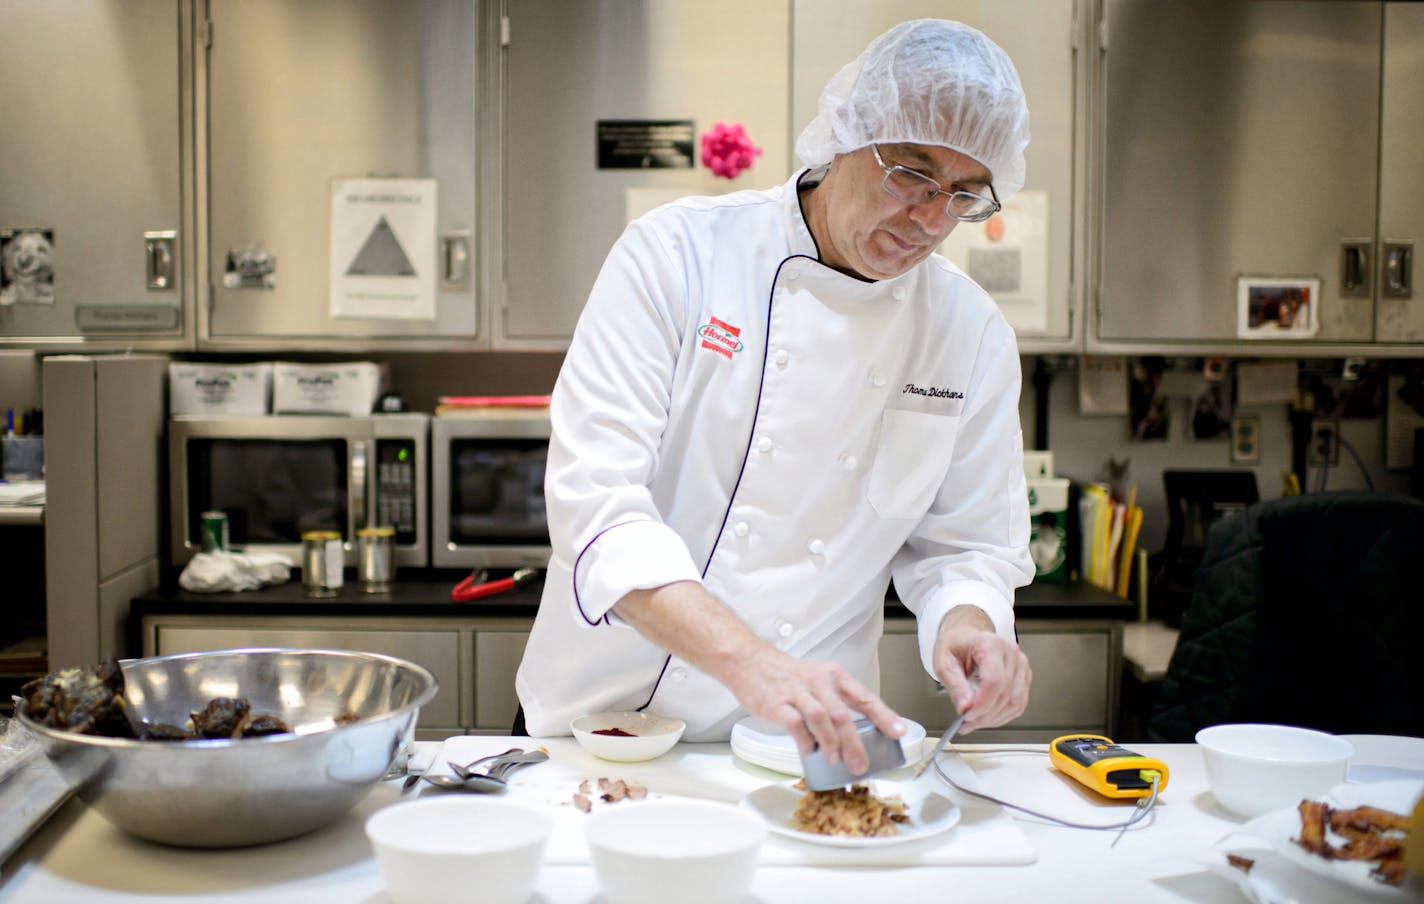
{"points": [[930, 814], [767, 745], [1279, 828]]}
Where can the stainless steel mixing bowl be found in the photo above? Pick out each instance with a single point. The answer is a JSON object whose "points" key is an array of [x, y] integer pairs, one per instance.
{"points": [[229, 793]]}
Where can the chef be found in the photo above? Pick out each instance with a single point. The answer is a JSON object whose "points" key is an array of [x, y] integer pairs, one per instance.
{"points": [[776, 402]]}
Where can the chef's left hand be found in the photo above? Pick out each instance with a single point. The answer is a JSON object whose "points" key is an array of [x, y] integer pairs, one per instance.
{"points": [[968, 645]]}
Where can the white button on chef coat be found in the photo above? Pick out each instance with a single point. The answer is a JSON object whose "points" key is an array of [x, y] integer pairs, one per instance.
{"points": [[877, 378], [764, 444], [900, 293], [742, 529], [784, 627], [817, 547], [677, 673], [848, 461], [782, 356]]}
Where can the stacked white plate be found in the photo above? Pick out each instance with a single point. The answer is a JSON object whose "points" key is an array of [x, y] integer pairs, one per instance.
{"points": [[765, 744]]}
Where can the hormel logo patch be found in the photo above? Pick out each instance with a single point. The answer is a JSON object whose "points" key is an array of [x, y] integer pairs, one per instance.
{"points": [[721, 337]]}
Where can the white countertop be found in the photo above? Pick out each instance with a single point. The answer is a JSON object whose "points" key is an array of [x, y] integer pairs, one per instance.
{"points": [[78, 856], [1147, 649]]}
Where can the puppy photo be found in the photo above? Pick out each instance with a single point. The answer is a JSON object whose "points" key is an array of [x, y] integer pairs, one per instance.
{"points": [[26, 274]]}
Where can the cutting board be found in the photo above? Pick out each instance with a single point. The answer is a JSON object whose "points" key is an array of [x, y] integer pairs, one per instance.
{"points": [[985, 835]]}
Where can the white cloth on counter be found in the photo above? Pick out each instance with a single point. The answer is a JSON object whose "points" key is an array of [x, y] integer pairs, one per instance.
{"points": [[220, 571]]}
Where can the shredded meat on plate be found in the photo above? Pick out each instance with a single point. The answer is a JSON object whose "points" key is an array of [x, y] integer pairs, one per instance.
{"points": [[853, 811]]}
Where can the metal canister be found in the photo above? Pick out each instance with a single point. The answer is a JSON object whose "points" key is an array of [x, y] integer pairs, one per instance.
{"points": [[322, 561], [375, 546], [214, 531]]}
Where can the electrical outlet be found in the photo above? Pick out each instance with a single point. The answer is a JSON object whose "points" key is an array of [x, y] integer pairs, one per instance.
{"points": [[1245, 439], [1324, 442]]}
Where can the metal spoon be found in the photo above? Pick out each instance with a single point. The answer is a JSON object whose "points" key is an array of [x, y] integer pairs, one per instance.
{"points": [[508, 764], [481, 783], [467, 770], [491, 782]]}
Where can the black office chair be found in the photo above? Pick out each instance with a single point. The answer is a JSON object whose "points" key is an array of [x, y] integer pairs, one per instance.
{"points": [[1307, 610]]}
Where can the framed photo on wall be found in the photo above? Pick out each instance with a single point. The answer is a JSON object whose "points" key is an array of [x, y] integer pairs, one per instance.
{"points": [[1272, 308]]}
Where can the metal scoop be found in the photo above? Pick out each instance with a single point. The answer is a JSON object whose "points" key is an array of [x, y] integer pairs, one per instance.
{"points": [[492, 780], [884, 751]]}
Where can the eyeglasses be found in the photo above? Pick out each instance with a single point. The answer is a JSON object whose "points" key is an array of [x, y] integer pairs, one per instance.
{"points": [[916, 188]]}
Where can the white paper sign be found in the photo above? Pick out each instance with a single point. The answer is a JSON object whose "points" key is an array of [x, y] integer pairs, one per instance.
{"points": [[1007, 255], [383, 248]]}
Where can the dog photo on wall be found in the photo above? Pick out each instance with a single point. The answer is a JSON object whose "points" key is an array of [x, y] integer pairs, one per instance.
{"points": [[26, 270]]}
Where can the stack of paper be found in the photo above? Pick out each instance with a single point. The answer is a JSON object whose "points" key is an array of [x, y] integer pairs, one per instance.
{"points": [[30, 492], [449, 405]]}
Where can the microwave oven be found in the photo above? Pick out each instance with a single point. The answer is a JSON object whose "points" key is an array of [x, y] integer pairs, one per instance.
{"points": [[487, 489], [278, 476]]}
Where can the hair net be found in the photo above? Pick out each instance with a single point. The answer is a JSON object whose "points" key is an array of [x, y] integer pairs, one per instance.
{"points": [[927, 81]]}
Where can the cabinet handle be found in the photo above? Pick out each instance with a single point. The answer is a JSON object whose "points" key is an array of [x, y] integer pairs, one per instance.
{"points": [[158, 257], [1399, 269], [1355, 269], [455, 260]]}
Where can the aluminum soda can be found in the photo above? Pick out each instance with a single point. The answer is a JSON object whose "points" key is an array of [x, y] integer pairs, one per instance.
{"points": [[214, 527]]}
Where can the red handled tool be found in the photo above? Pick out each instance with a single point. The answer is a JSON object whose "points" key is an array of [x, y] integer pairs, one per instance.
{"points": [[468, 590]]}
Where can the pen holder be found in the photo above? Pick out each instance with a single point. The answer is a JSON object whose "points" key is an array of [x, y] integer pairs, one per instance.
{"points": [[22, 457]]}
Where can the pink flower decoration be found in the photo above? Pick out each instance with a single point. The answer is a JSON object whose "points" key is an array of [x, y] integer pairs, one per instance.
{"points": [[728, 150]]}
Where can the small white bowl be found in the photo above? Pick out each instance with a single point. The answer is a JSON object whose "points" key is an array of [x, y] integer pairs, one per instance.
{"points": [[1254, 769], [653, 735], [448, 848], [706, 851]]}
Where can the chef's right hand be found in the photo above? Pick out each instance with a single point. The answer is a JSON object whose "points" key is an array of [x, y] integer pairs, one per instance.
{"points": [[812, 700], [816, 702]]}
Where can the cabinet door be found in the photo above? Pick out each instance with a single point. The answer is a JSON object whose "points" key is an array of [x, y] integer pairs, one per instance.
{"points": [[1077, 673], [90, 156], [304, 92], [1239, 139], [1039, 37], [497, 657], [1401, 231], [569, 65]]}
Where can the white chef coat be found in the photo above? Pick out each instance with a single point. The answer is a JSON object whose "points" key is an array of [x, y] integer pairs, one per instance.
{"points": [[734, 412]]}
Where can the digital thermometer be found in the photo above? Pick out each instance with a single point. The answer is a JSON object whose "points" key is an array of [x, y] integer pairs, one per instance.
{"points": [[1107, 768]]}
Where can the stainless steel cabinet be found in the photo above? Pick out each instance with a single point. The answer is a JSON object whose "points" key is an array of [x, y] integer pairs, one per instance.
{"points": [[436, 649], [561, 68], [474, 659], [92, 132], [497, 657], [1042, 39], [297, 93], [1077, 679], [1399, 311], [1244, 140]]}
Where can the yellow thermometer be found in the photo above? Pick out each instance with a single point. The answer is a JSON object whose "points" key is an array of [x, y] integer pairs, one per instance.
{"points": [[1107, 768]]}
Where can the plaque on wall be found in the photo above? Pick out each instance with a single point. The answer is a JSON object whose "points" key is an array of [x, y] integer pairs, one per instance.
{"points": [[645, 144]]}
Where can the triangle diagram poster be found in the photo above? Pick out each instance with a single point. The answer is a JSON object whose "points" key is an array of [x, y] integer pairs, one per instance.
{"points": [[383, 248]]}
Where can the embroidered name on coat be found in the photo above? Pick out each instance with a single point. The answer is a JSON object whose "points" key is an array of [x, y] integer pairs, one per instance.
{"points": [[721, 337], [933, 392]]}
